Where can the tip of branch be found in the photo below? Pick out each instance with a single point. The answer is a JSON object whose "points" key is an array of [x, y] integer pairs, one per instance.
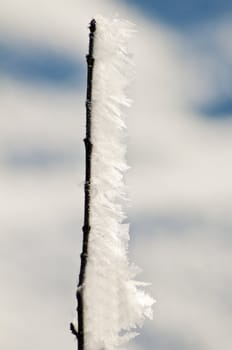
{"points": [[92, 25]]}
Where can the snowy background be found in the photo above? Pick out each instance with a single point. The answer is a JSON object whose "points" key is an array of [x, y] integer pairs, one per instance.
{"points": [[180, 150]]}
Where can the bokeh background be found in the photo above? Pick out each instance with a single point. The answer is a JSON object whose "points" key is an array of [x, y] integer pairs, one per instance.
{"points": [[180, 182]]}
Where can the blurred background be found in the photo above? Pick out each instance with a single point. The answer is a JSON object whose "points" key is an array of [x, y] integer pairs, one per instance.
{"points": [[179, 149]]}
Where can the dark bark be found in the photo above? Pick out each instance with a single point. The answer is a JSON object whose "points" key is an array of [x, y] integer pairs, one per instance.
{"points": [[86, 227]]}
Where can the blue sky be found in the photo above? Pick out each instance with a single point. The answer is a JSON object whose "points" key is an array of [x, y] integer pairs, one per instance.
{"points": [[183, 13], [39, 65], [42, 65]]}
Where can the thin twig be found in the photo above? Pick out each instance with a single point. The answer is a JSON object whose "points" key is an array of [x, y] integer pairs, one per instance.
{"points": [[86, 226]]}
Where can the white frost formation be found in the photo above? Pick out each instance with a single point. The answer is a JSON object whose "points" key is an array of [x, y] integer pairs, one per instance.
{"points": [[114, 303]]}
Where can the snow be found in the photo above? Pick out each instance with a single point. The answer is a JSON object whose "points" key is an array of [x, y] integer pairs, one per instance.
{"points": [[114, 303]]}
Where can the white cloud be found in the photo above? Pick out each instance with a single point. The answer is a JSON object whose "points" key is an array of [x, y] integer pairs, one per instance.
{"points": [[181, 165], [185, 157], [191, 280], [62, 24]]}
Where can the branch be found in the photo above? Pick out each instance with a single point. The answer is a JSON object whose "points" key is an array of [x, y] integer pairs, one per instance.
{"points": [[86, 227]]}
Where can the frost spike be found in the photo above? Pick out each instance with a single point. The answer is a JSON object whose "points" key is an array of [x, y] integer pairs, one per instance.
{"points": [[111, 304]]}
